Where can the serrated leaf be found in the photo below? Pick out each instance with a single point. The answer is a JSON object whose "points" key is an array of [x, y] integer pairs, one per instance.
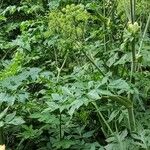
{"points": [[123, 135], [122, 60], [34, 73], [74, 106], [56, 96], [17, 121], [88, 134], [52, 106], [3, 113], [105, 92], [113, 115], [93, 94], [7, 98], [93, 147], [22, 97], [119, 84], [9, 117], [66, 91], [64, 144], [112, 60]]}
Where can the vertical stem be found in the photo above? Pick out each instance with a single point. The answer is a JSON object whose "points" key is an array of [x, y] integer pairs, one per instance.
{"points": [[102, 120], [1, 136], [60, 130], [131, 119], [132, 7], [60, 69], [133, 69], [1, 132], [92, 62], [145, 30], [133, 65], [104, 26]]}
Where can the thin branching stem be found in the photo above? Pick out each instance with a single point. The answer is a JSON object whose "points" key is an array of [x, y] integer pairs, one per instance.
{"points": [[103, 119], [60, 69], [145, 30], [94, 64]]}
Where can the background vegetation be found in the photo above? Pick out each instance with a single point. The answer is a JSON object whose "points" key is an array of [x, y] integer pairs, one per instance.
{"points": [[75, 74]]}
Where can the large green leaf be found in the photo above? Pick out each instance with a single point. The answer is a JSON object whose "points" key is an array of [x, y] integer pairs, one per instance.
{"points": [[16, 121]]}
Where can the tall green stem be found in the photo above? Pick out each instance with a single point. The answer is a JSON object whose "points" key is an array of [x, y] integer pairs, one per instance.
{"points": [[1, 132], [131, 119], [133, 69], [133, 65], [90, 59], [104, 26], [60, 124], [132, 7], [145, 30]]}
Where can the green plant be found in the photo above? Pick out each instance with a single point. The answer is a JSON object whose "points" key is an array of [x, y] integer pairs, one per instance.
{"points": [[74, 74]]}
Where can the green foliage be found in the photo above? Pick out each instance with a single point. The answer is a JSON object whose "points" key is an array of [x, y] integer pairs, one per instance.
{"points": [[74, 75], [68, 26], [14, 66]]}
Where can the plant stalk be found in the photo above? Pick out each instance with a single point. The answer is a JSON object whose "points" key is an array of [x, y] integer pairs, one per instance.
{"points": [[60, 69], [133, 64], [1, 132], [90, 59], [60, 124], [133, 69], [145, 30], [131, 119], [103, 122]]}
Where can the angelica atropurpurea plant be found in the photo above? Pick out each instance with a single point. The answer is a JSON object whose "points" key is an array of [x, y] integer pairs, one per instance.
{"points": [[69, 26], [131, 39]]}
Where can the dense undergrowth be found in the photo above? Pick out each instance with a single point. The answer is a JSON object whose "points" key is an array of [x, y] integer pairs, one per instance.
{"points": [[75, 74]]}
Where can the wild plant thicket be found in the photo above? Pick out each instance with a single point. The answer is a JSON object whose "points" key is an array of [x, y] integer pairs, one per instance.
{"points": [[75, 74]]}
